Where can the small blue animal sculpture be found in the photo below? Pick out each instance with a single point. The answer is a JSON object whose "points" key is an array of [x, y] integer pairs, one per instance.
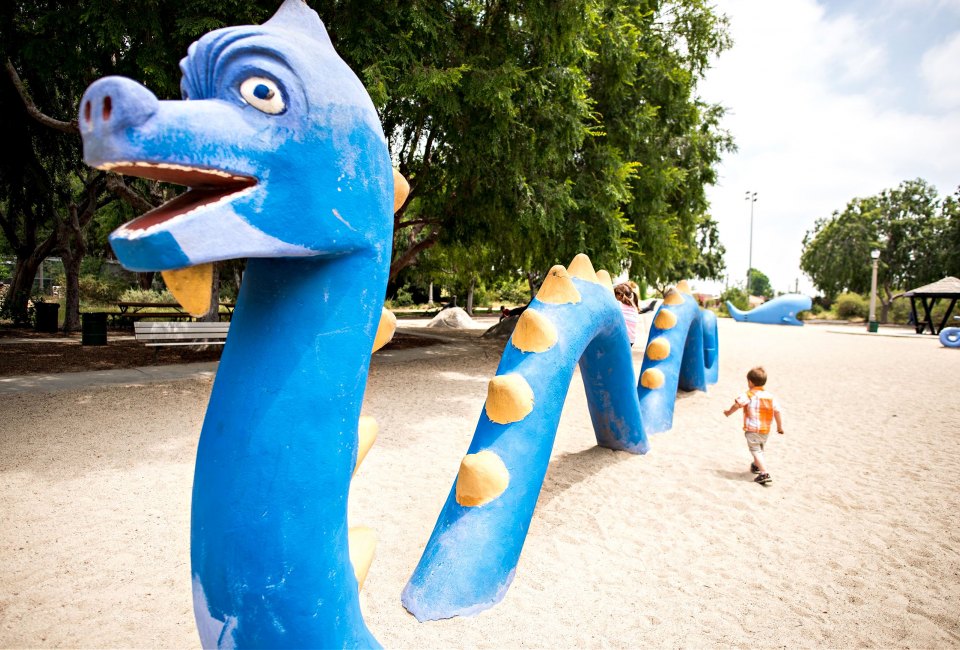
{"points": [[471, 558], [950, 337], [782, 310], [287, 164]]}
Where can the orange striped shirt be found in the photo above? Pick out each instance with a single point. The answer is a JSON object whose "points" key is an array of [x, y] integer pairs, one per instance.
{"points": [[758, 409]]}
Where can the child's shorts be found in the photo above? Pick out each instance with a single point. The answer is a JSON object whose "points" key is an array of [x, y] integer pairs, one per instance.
{"points": [[755, 441]]}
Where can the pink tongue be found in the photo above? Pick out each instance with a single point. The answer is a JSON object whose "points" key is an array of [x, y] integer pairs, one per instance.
{"points": [[183, 203]]}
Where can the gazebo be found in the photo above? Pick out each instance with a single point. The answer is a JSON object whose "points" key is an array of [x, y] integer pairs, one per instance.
{"points": [[928, 295]]}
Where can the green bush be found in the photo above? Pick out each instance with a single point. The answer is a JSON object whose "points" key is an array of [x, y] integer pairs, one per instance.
{"points": [[737, 298], [851, 305], [100, 290], [899, 311], [513, 292], [146, 295], [403, 298]]}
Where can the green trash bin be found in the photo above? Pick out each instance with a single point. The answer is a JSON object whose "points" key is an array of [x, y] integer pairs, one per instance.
{"points": [[94, 328], [46, 319]]}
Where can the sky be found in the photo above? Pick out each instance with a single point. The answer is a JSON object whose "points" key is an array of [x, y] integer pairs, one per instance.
{"points": [[828, 100]]}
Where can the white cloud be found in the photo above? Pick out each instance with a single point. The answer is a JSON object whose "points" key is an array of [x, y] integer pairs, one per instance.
{"points": [[940, 69], [810, 111]]}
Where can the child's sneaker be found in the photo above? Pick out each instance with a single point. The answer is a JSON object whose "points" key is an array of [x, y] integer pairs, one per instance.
{"points": [[754, 468], [763, 479]]}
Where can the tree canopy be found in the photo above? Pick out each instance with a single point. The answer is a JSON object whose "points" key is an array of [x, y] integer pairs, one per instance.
{"points": [[529, 131], [914, 231]]}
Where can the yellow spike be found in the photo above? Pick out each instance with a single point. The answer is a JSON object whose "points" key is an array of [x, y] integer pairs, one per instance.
{"points": [[366, 436], [683, 287], [665, 319], [581, 267], [481, 479], [534, 332], [192, 286], [557, 288], [509, 398], [385, 329], [362, 543], [604, 278], [658, 349], [673, 297], [651, 378], [401, 188]]}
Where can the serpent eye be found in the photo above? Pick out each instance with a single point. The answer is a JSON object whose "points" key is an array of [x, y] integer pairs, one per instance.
{"points": [[263, 94]]}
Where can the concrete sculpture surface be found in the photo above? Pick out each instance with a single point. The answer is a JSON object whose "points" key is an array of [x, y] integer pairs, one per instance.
{"points": [[682, 352], [950, 337], [782, 310], [471, 557], [287, 165]]}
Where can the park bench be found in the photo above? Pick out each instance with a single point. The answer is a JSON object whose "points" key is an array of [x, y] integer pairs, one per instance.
{"points": [[131, 312], [176, 333]]}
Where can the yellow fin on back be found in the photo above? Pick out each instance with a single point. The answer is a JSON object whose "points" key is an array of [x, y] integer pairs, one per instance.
{"points": [[557, 287], [192, 286], [581, 267]]}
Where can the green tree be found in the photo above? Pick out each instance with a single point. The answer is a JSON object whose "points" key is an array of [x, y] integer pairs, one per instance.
{"points": [[541, 129], [759, 284], [48, 198], [910, 227], [547, 128]]}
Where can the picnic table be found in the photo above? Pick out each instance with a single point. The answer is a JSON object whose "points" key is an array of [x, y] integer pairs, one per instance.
{"points": [[136, 311]]}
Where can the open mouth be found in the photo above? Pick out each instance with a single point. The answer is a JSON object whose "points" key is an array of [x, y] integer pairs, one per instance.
{"points": [[206, 187]]}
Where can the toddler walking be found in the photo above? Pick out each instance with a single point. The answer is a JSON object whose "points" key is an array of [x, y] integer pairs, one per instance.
{"points": [[760, 408]]}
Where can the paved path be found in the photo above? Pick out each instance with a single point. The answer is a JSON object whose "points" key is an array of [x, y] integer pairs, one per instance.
{"points": [[80, 380]]}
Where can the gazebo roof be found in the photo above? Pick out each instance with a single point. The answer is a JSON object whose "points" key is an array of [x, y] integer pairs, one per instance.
{"points": [[949, 287]]}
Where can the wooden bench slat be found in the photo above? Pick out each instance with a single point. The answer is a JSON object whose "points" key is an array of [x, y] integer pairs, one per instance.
{"points": [[176, 333], [206, 342]]}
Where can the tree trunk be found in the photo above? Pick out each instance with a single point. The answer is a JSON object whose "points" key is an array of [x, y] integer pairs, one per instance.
{"points": [[145, 280], [532, 283], [213, 314], [21, 286], [886, 304], [72, 249], [71, 267], [469, 305]]}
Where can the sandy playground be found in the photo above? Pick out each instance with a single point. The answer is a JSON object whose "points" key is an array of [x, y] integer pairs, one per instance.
{"points": [[856, 543]]}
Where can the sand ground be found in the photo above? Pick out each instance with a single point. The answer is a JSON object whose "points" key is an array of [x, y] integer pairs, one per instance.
{"points": [[855, 544]]}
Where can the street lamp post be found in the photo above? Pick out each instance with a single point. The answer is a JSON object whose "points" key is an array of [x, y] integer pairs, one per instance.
{"points": [[752, 197], [873, 325]]}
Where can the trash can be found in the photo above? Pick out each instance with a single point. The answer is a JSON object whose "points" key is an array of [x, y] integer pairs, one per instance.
{"points": [[873, 326], [46, 316], [94, 328]]}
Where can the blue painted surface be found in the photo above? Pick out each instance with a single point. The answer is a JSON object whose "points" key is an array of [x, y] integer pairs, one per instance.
{"points": [[950, 337], [471, 557], [782, 310], [269, 551], [693, 362]]}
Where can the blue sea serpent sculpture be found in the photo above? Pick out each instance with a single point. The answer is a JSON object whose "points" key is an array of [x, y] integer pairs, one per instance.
{"points": [[287, 165], [471, 557]]}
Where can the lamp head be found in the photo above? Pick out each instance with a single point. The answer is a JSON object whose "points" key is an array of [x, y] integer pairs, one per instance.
{"points": [[874, 254]]}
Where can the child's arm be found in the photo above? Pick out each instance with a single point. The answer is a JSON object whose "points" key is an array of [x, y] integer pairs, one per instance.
{"points": [[776, 416], [733, 409]]}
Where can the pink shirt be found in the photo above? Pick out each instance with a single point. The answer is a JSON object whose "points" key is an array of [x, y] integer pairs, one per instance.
{"points": [[632, 319]]}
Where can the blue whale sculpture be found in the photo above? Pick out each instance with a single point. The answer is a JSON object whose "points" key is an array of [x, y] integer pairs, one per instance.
{"points": [[782, 310]]}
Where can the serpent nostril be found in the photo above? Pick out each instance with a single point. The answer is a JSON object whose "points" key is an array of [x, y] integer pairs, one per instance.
{"points": [[107, 107], [86, 111]]}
